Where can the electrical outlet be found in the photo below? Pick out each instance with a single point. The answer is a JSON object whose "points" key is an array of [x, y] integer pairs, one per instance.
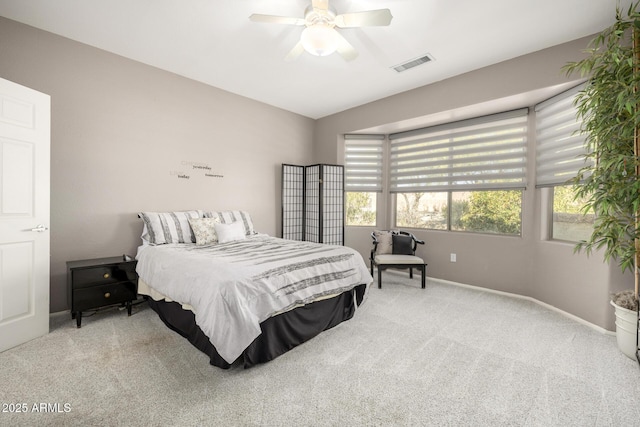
{"points": [[453, 257]]}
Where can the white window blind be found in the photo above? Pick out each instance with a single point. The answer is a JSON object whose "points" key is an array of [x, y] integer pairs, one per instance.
{"points": [[482, 153], [559, 142], [363, 162]]}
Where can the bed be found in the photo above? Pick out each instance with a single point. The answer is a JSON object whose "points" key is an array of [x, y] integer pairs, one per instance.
{"points": [[241, 296]]}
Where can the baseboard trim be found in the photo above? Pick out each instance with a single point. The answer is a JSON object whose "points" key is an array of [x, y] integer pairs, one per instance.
{"points": [[527, 298]]}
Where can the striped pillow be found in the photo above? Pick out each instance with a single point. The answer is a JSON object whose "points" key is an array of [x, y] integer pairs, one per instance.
{"points": [[227, 217], [168, 227]]}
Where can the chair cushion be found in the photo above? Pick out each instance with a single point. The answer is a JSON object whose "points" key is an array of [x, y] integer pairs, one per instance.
{"points": [[385, 242], [402, 245], [398, 259]]}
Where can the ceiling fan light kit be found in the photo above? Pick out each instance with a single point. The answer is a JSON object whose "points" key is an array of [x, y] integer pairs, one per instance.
{"points": [[320, 37], [319, 40]]}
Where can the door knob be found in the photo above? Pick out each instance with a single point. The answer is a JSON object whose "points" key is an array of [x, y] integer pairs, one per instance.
{"points": [[39, 228]]}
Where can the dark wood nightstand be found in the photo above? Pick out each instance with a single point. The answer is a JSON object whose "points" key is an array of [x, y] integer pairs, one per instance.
{"points": [[100, 282]]}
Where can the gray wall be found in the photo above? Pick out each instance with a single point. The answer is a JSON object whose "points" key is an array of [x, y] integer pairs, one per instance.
{"points": [[528, 265], [120, 132]]}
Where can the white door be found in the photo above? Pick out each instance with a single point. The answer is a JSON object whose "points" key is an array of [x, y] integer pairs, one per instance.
{"points": [[24, 214]]}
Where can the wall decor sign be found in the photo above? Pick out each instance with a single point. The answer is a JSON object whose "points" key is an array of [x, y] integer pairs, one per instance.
{"points": [[194, 170]]}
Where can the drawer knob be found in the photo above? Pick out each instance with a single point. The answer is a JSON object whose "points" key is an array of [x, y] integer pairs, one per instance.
{"points": [[107, 294], [106, 275]]}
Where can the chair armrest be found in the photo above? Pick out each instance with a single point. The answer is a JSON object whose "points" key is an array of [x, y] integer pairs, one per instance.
{"points": [[416, 242], [375, 245]]}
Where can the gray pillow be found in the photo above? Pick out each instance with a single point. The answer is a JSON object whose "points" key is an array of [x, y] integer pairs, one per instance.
{"points": [[385, 242]]}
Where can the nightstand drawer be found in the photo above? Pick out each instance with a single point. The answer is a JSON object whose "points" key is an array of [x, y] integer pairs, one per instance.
{"points": [[99, 296], [97, 275]]}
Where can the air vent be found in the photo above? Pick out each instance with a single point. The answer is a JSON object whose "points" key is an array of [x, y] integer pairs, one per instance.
{"points": [[413, 63]]}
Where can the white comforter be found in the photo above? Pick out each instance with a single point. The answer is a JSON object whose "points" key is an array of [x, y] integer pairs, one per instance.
{"points": [[234, 286]]}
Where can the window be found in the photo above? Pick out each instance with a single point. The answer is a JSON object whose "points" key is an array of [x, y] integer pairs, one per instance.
{"points": [[569, 223], [494, 212], [559, 157], [470, 175], [361, 208], [422, 210], [464, 176], [363, 177]]}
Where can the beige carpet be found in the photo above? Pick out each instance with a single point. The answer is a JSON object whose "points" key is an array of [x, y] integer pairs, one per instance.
{"points": [[445, 355]]}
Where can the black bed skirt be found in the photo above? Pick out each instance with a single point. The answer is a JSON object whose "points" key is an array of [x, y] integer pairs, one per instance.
{"points": [[279, 334]]}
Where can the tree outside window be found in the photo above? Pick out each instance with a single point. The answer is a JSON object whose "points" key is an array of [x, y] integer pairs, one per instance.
{"points": [[569, 221], [496, 212], [360, 208], [422, 210]]}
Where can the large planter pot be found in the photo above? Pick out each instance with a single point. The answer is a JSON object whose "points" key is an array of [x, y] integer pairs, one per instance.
{"points": [[626, 330]]}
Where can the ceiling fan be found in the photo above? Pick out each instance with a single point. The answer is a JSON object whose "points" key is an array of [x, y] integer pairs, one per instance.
{"points": [[320, 36]]}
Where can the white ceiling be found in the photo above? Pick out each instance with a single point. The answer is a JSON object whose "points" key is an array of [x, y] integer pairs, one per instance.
{"points": [[214, 42]]}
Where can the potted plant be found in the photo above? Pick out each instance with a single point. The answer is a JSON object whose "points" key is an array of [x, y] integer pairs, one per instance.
{"points": [[609, 106]]}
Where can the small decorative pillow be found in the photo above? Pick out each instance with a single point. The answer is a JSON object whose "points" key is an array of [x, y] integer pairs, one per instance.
{"points": [[168, 227], [402, 245], [385, 243], [230, 232], [227, 217], [204, 230]]}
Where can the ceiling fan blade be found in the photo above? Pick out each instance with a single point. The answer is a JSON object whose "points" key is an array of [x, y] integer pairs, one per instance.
{"points": [[295, 52], [344, 48], [369, 18], [320, 5], [273, 19]]}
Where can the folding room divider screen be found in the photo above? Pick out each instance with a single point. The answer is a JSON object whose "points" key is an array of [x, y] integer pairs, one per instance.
{"points": [[313, 203]]}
